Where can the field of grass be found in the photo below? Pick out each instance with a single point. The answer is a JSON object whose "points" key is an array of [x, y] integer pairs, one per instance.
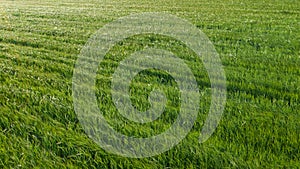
{"points": [[258, 43]]}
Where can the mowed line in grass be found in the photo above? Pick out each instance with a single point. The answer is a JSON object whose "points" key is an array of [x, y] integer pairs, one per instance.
{"points": [[238, 83]]}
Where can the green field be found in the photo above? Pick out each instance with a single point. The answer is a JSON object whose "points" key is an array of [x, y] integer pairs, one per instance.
{"points": [[259, 46]]}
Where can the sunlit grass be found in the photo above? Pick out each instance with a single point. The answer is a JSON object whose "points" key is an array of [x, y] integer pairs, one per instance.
{"points": [[258, 42]]}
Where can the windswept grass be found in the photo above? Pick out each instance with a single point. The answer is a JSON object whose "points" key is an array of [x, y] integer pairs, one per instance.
{"points": [[258, 42]]}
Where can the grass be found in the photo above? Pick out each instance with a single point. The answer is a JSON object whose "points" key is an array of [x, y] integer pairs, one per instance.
{"points": [[258, 42]]}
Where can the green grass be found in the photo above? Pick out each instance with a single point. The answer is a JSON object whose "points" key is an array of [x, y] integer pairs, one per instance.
{"points": [[258, 43]]}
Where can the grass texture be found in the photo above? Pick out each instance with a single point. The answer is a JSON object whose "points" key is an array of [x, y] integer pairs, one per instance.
{"points": [[258, 43]]}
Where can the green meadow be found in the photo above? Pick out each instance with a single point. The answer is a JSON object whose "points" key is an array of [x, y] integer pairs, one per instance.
{"points": [[258, 43]]}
